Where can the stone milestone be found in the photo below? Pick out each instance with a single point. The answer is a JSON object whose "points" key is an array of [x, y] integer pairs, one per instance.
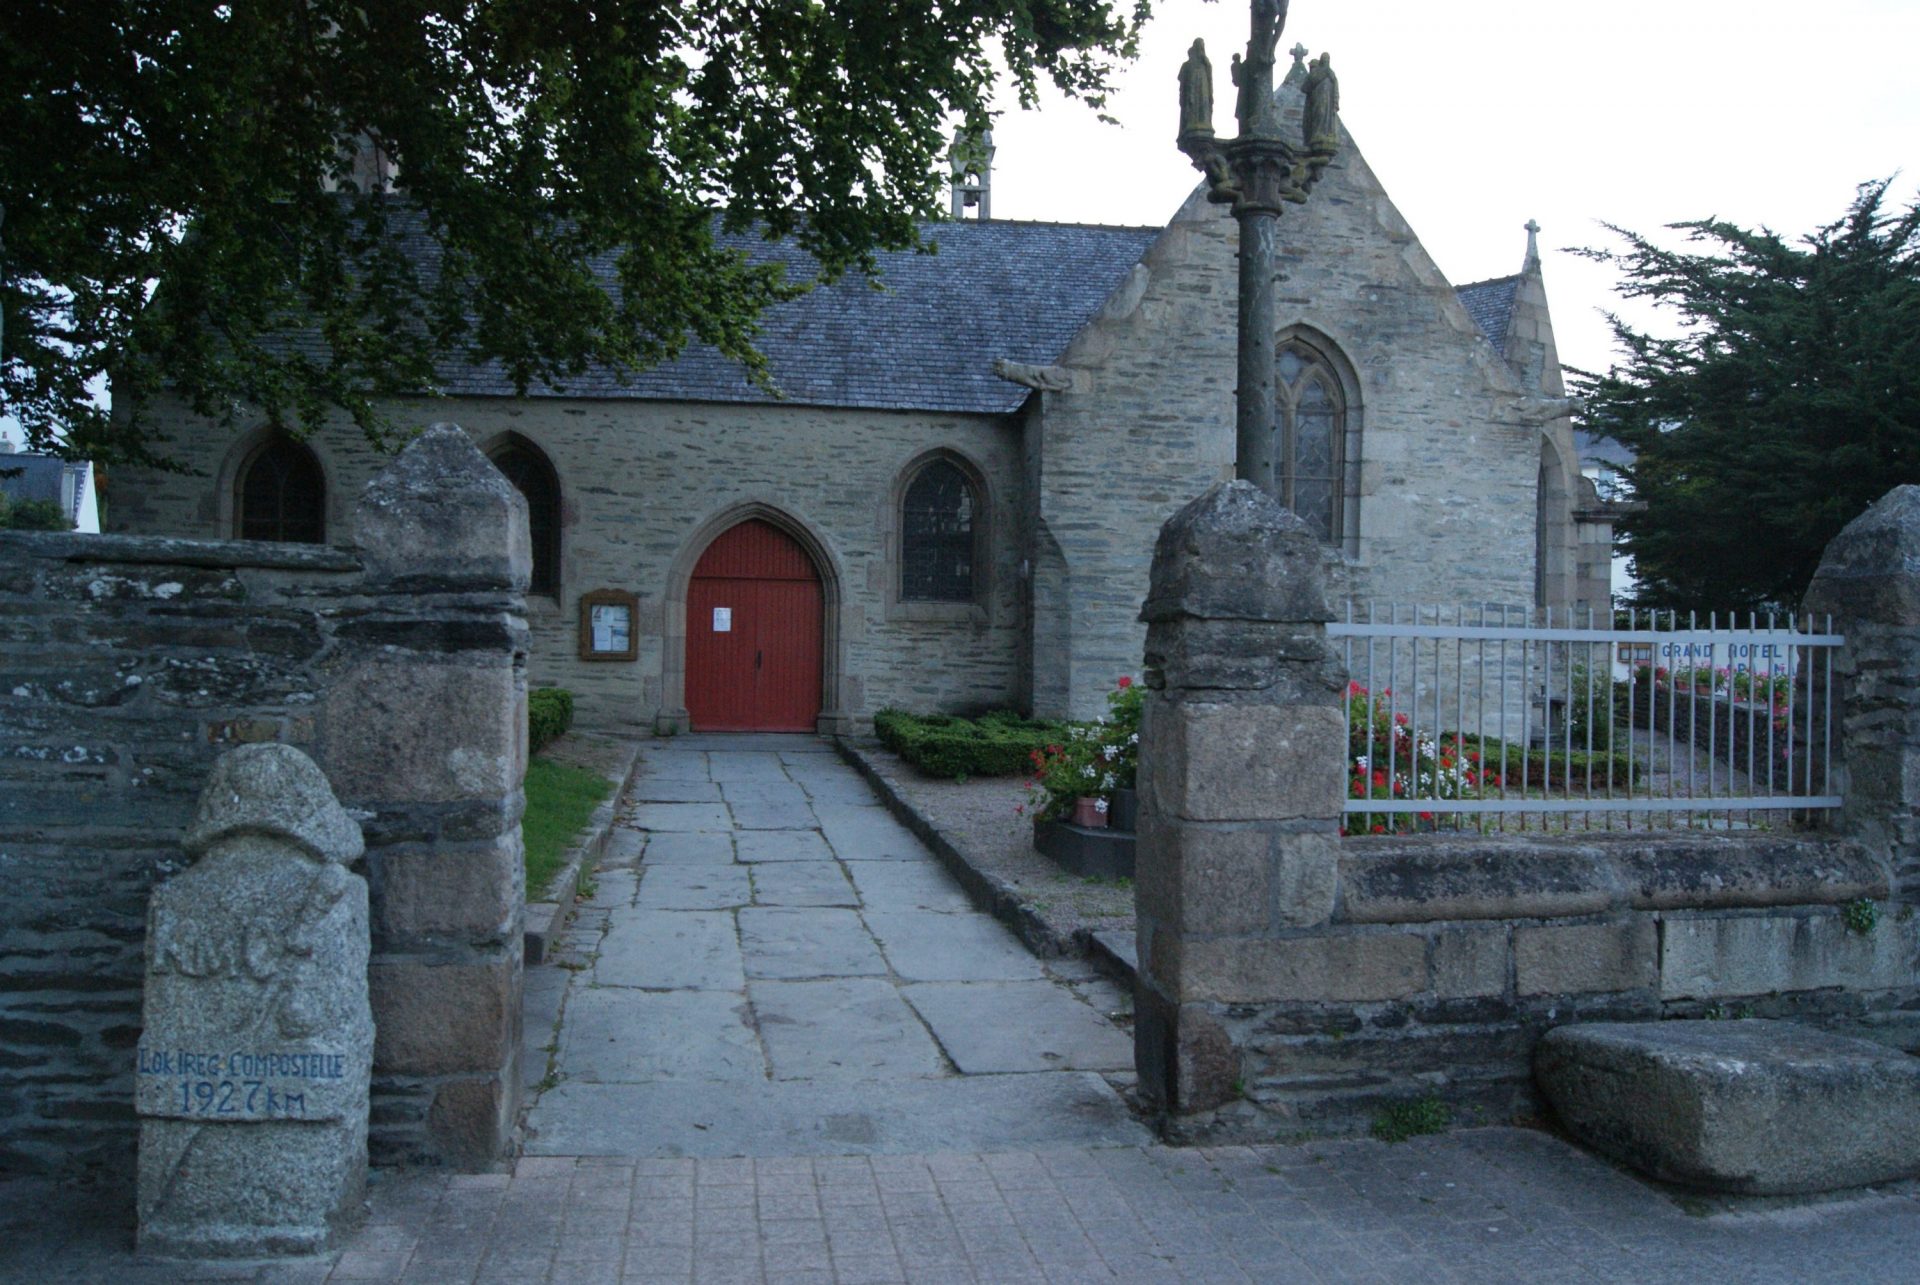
{"points": [[257, 1045]]}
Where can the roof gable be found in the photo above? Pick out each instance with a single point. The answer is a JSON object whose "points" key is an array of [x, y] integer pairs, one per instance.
{"points": [[1490, 304]]}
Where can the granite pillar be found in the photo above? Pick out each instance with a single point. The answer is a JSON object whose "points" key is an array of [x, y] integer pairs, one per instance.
{"points": [[1241, 783]]}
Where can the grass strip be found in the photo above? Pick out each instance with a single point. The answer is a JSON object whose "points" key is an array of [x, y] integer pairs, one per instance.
{"points": [[560, 801]]}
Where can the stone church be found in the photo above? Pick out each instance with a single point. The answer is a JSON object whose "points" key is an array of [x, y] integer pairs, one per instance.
{"points": [[953, 501]]}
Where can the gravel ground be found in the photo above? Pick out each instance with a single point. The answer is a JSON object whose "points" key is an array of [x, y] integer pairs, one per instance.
{"points": [[980, 818]]}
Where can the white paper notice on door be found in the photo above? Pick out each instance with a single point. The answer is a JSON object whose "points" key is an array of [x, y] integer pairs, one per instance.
{"points": [[723, 620]]}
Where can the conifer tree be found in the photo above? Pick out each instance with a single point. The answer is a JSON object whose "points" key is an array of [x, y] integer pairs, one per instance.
{"points": [[1787, 403]]}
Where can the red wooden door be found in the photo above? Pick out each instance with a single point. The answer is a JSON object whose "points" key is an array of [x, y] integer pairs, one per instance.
{"points": [[754, 634]]}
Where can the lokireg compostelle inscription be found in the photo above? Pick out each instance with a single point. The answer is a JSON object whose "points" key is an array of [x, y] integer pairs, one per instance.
{"points": [[252, 1072]]}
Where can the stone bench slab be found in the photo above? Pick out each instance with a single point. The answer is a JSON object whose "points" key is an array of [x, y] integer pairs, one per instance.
{"points": [[1759, 1107]]}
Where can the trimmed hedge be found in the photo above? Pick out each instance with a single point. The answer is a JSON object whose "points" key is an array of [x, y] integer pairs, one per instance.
{"points": [[549, 715], [1000, 743], [1555, 768]]}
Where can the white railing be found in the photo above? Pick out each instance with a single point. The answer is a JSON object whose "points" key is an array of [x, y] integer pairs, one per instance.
{"points": [[1496, 718]]}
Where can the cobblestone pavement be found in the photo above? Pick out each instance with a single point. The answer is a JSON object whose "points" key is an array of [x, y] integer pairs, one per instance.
{"points": [[785, 1050], [1485, 1205]]}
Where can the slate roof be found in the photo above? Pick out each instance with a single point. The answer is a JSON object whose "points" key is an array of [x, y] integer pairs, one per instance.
{"points": [[38, 477], [926, 340], [1490, 304]]}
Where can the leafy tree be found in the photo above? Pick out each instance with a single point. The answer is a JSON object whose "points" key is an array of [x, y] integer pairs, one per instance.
{"points": [[178, 184], [1789, 402]]}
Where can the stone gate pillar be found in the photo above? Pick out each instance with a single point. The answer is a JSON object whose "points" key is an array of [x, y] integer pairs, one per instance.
{"points": [[1242, 756], [423, 734], [1869, 579]]}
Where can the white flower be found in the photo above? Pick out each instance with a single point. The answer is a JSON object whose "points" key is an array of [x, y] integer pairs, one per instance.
{"points": [[1108, 781], [1087, 770], [1133, 739], [1100, 806]]}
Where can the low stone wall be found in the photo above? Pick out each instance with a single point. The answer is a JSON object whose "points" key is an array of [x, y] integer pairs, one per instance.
{"points": [[1292, 980], [1446, 957], [128, 664]]}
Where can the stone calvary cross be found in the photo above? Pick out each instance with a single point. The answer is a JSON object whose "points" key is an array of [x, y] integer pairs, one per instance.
{"points": [[1258, 174]]}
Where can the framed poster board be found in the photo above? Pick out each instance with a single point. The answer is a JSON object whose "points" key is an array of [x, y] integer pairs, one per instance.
{"points": [[609, 625]]}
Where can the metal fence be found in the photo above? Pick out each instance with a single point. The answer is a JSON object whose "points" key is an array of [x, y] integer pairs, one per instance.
{"points": [[1497, 718]]}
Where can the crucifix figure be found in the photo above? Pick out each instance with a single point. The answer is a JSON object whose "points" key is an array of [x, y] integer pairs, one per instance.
{"points": [[1258, 174]]}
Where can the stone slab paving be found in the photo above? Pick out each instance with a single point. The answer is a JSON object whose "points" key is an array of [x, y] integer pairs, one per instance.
{"points": [[831, 1116], [852, 1028], [783, 843], [989, 1027], [615, 1035], [708, 848], [814, 941], [795, 884], [924, 946], [670, 950], [742, 983], [702, 886]]}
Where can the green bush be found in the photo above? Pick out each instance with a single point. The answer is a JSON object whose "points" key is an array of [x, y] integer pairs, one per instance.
{"points": [[549, 715], [32, 515], [999, 743]]}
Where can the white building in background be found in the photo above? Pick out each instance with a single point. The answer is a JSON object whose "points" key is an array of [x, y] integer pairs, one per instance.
{"points": [[1601, 462]]}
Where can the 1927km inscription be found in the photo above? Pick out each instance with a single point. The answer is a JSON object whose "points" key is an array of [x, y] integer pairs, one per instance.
{"points": [[237, 1085]]}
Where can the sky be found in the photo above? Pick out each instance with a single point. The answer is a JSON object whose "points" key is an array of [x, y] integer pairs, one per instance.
{"points": [[1482, 114]]}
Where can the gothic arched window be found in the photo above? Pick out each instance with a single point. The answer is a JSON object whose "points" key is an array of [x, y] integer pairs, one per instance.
{"points": [[1310, 455], [939, 521], [280, 494], [527, 467]]}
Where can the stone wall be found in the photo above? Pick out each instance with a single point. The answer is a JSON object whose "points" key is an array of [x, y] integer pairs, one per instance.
{"points": [[128, 664], [1449, 440], [1448, 437], [644, 487], [1293, 980]]}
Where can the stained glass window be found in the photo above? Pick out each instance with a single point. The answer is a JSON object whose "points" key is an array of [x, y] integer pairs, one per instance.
{"points": [[937, 537], [1312, 428], [282, 495]]}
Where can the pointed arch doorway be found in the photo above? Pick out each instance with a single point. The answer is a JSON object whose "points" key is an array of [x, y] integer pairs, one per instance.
{"points": [[754, 633]]}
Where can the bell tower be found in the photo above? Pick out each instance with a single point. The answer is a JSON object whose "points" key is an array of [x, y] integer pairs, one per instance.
{"points": [[971, 159]]}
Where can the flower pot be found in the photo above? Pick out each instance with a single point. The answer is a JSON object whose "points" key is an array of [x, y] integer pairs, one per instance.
{"points": [[1090, 812], [1124, 814]]}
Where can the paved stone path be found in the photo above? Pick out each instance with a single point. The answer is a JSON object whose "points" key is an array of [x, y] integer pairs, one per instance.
{"points": [[789, 1052], [1478, 1206], [772, 965]]}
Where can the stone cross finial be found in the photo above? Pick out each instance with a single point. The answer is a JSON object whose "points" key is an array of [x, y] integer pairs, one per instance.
{"points": [[1258, 173], [1533, 240]]}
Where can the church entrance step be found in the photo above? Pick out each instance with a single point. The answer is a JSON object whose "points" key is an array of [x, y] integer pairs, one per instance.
{"points": [[1758, 1107]]}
